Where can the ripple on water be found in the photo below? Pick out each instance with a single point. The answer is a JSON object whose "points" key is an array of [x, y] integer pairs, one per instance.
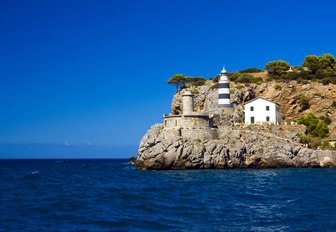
{"points": [[81, 195]]}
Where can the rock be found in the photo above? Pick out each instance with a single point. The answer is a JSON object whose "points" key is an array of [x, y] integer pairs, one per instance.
{"points": [[132, 160], [327, 162]]}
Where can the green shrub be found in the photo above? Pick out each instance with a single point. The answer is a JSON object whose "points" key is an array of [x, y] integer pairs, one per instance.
{"points": [[250, 70], [319, 74], [244, 78], [298, 75], [233, 76], [312, 63], [304, 102], [311, 141], [304, 139], [315, 142], [278, 87], [325, 145], [315, 126], [277, 67], [256, 80], [327, 120], [197, 81], [326, 81]]}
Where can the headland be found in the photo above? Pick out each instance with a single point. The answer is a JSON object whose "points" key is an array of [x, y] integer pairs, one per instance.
{"points": [[215, 125]]}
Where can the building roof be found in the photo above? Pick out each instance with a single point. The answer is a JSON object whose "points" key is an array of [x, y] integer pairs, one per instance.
{"points": [[254, 99]]}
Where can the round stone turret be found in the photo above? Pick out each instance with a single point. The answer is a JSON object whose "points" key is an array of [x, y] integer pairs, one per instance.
{"points": [[188, 103]]}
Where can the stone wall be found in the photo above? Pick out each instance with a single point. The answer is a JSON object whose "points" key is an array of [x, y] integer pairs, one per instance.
{"points": [[199, 134], [196, 121], [172, 121]]}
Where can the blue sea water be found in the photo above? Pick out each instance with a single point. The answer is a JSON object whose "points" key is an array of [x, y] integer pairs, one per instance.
{"points": [[110, 195]]}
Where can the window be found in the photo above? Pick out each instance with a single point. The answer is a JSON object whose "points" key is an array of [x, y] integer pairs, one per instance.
{"points": [[267, 108], [251, 108], [252, 119], [267, 118]]}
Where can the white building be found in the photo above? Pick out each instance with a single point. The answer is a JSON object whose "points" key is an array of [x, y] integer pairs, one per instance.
{"points": [[259, 110]]}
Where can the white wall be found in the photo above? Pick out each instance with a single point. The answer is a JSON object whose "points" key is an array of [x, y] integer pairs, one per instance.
{"points": [[260, 113]]}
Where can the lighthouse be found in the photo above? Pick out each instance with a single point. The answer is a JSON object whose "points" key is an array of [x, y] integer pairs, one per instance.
{"points": [[224, 90]]}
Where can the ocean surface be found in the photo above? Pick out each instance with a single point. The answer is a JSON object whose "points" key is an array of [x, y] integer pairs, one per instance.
{"points": [[111, 195]]}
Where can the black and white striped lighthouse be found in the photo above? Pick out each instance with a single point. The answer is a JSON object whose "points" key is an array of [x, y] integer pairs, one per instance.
{"points": [[224, 90]]}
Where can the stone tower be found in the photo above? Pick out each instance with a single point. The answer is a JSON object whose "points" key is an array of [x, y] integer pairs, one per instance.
{"points": [[224, 90], [188, 103]]}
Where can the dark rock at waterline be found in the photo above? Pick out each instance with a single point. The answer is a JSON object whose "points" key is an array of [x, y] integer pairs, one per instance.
{"points": [[235, 148]]}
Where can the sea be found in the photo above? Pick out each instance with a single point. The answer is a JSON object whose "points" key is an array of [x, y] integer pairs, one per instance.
{"points": [[111, 195]]}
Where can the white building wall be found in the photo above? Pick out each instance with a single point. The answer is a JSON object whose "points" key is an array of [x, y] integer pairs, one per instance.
{"points": [[260, 113]]}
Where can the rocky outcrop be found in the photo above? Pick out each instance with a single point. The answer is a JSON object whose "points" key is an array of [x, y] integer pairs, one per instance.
{"points": [[235, 148], [257, 146]]}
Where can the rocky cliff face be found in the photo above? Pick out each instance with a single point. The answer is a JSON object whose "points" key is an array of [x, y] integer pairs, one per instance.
{"points": [[236, 148], [242, 146]]}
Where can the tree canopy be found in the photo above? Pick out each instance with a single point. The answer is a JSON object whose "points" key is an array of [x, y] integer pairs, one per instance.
{"points": [[321, 66], [178, 80], [277, 67], [312, 63]]}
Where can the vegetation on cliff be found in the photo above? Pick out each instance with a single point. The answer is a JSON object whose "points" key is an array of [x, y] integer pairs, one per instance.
{"points": [[316, 130], [317, 68], [180, 81], [314, 68]]}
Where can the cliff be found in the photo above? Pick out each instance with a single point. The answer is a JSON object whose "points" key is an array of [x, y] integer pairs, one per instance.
{"points": [[242, 146]]}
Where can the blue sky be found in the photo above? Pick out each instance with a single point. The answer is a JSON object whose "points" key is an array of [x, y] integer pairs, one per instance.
{"points": [[93, 73]]}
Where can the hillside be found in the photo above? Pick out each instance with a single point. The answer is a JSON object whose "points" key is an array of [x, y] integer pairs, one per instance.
{"points": [[286, 94]]}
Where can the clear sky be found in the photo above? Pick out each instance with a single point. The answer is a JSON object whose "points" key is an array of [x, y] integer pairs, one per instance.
{"points": [[92, 75]]}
